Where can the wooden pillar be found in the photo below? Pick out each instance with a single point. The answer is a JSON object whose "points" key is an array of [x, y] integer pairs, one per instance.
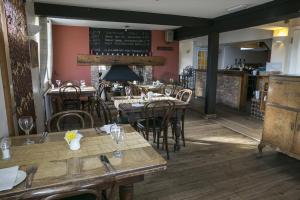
{"points": [[211, 74]]}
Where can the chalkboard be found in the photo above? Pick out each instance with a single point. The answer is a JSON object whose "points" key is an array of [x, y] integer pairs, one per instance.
{"points": [[119, 42]]}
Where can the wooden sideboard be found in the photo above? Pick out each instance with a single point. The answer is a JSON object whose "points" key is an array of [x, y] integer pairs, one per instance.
{"points": [[282, 119]]}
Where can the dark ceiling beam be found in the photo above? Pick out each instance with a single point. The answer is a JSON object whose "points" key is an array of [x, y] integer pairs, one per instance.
{"points": [[263, 14], [98, 14]]}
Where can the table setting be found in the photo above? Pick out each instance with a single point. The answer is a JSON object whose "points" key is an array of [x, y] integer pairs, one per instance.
{"points": [[66, 159]]}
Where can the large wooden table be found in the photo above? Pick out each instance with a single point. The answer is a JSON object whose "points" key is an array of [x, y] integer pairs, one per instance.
{"points": [[124, 105], [62, 170]]}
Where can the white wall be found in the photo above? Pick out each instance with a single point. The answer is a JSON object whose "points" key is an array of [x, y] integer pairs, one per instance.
{"points": [[294, 58], [3, 117], [186, 49], [228, 54], [243, 35]]}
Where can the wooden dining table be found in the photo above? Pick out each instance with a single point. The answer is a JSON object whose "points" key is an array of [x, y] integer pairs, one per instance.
{"points": [[61, 170], [128, 108], [52, 94]]}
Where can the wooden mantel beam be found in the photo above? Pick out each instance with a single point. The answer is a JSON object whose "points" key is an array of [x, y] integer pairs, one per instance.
{"points": [[126, 60]]}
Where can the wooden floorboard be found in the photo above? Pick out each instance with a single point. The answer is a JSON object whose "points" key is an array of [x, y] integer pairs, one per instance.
{"points": [[219, 163]]}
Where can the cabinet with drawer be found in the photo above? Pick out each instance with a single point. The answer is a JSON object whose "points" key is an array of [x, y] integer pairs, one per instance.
{"points": [[282, 119]]}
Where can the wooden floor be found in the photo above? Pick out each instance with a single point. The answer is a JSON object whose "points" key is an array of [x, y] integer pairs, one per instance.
{"points": [[219, 163]]}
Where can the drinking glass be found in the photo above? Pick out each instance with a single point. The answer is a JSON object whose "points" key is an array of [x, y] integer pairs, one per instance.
{"points": [[58, 82], [168, 91], [82, 83], [118, 137], [26, 124], [128, 92]]}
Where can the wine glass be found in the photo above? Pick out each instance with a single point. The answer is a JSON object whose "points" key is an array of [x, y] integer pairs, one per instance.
{"points": [[168, 92], [118, 137], [26, 124], [82, 83], [128, 92], [58, 82]]}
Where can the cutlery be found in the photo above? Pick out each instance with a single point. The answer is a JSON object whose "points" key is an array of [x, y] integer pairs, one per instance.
{"points": [[30, 171], [109, 163], [105, 164]]}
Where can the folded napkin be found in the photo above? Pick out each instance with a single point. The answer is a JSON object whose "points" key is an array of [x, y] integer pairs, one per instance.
{"points": [[107, 128], [137, 105], [8, 177], [157, 94]]}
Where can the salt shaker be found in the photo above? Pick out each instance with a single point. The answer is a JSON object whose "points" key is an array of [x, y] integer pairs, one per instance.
{"points": [[5, 148]]}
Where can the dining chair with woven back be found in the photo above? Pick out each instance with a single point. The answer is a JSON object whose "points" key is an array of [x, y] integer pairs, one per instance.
{"points": [[70, 97], [186, 96], [70, 119], [156, 119]]}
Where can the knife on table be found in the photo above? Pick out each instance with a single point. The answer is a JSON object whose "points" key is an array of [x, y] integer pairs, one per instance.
{"points": [[107, 160]]}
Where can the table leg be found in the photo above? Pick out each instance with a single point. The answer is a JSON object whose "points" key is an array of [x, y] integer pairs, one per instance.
{"points": [[126, 192], [177, 133]]}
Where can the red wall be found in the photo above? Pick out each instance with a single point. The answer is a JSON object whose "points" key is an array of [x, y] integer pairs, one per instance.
{"points": [[171, 67], [69, 41]]}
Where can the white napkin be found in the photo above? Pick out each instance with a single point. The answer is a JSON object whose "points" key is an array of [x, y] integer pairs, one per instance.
{"points": [[137, 105], [8, 177], [106, 128], [157, 94]]}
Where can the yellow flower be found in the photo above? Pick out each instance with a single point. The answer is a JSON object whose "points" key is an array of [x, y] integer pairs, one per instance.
{"points": [[70, 135]]}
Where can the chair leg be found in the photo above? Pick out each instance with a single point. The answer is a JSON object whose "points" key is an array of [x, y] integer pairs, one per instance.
{"points": [[166, 143], [182, 129], [157, 139]]}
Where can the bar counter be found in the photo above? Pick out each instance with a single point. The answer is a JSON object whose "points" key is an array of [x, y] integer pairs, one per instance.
{"points": [[231, 87]]}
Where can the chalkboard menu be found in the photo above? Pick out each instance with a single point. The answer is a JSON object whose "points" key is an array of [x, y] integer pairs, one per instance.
{"points": [[120, 42]]}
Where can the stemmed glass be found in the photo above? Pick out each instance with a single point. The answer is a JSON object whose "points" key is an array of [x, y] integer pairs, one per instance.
{"points": [[58, 82], [117, 134], [26, 124], [82, 83], [128, 92], [168, 91]]}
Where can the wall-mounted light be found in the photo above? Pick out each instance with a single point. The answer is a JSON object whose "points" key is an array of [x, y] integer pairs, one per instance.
{"points": [[282, 32]]}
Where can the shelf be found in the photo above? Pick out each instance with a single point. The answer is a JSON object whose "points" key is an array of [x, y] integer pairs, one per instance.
{"points": [[125, 60]]}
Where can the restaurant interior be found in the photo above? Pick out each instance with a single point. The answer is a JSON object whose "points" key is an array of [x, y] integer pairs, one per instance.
{"points": [[149, 99]]}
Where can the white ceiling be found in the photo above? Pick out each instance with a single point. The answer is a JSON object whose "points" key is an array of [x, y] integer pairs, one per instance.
{"points": [[113, 25], [195, 8]]}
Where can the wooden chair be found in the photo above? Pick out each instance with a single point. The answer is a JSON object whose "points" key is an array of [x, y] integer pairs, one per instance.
{"points": [[68, 119], [92, 100], [83, 194], [70, 97], [135, 90], [156, 120], [186, 96], [106, 113]]}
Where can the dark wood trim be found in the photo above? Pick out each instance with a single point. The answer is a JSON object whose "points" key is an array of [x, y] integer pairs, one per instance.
{"points": [[4, 63], [99, 14], [266, 13], [211, 73]]}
